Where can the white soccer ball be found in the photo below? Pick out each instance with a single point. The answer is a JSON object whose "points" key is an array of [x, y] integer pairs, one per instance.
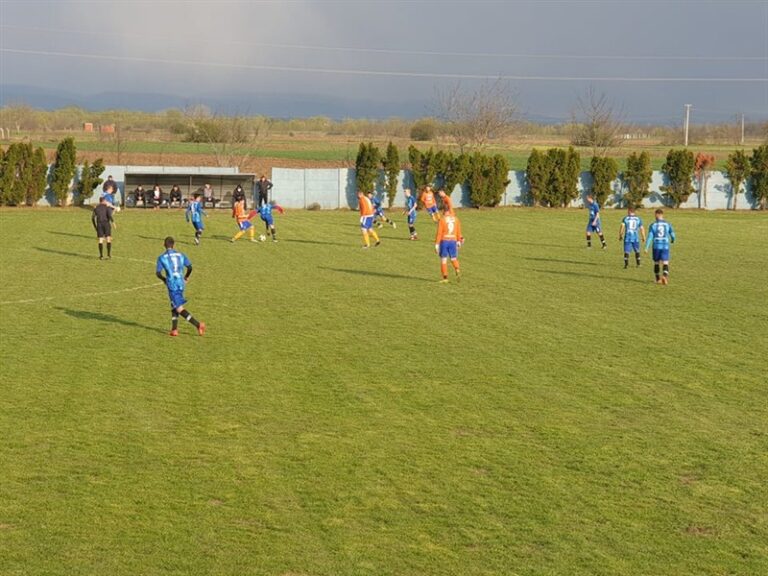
{"points": [[117, 208], [262, 237]]}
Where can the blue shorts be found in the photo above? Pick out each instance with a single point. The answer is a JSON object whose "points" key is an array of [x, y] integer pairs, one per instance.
{"points": [[198, 225], [432, 210], [379, 213], [244, 225], [411, 218], [177, 298], [449, 249], [591, 228], [632, 246], [661, 254], [269, 221], [366, 222]]}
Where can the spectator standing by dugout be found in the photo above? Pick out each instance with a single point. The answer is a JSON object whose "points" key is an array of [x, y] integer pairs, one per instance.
{"points": [[263, 186]]}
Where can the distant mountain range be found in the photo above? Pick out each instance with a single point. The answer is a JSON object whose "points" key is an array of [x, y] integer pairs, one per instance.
{"points": [[272, 105]]}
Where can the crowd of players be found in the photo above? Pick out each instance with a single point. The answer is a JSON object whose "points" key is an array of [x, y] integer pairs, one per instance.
{"points": [[174, 268]]}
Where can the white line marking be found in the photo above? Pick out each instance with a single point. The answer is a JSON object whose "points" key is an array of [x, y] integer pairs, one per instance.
{"points": [[89, 295]]}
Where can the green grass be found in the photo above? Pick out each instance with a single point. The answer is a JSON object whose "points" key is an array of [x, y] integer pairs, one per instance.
{"points": [[347, 415]]}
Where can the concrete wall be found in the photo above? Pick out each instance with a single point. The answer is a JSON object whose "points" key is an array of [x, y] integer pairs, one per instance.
{"points": [[333, 188]]}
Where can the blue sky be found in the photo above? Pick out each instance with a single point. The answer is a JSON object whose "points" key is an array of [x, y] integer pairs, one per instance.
{"points": [[649, 57]]}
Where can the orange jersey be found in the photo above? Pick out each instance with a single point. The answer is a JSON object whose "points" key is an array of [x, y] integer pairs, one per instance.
{"points": [[449, 228], [427, 198], [366, 206], [238, 211]]}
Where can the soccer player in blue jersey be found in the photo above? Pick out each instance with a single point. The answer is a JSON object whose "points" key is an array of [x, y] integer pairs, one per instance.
{"points": [[410, 211], [195, 213], [378, 212], [631, 229], [594, 221], [265, 213], [171, 266], [661, 234]]}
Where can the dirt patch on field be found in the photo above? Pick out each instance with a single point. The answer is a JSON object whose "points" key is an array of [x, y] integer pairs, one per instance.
{"points": [[259, 165]]}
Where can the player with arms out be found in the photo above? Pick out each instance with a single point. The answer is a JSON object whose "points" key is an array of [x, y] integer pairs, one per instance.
{"points": [[661, 235], [174, 269], [410, 212], [195, 213], [366, 220], [594, 221], [102, 221], [428, 199], [378, 212], [265, 213], [243, 222], [447, 243], [631, 225]]}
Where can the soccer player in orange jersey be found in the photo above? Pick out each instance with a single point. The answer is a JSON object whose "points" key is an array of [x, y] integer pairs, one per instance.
{"points": [[428, 199], [243, 222], [447, 243], [446, 200], [366, 220]]}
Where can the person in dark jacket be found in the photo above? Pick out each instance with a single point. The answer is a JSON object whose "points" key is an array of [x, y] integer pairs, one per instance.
{"points": [[102, 221], [239, 195], [263, 186]]}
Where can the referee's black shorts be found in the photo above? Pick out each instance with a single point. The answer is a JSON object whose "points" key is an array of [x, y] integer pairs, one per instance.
{"points": [[103, 229]]}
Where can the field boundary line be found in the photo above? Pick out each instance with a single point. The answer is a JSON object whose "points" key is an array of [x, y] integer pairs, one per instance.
{"points": [[87, 295]]}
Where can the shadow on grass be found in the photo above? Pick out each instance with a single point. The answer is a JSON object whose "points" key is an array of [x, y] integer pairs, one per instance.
{"points": [[561, 261], [597, 276], [379, 274], [64, 253], [320, 242], [90, 237], [538, 244], [108, 318]]}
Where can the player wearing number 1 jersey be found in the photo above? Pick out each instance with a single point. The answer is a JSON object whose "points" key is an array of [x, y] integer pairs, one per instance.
{"points": [[661, 234], [174, 269], [447, 243], [631, 230]]}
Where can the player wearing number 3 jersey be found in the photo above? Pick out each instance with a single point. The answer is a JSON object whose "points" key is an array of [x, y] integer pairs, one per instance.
{"points": [[661, 234], [447, 242]]}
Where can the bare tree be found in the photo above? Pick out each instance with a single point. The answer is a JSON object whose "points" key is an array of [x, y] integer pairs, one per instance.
{"points": [[473, 118], [232, 139], [596, 124]]}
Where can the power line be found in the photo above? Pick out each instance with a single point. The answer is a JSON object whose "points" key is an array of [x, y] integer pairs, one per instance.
{"points": [[388, 73], [314, 47]]}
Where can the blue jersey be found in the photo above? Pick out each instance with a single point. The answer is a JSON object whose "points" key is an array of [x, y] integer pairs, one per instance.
{"points": [[410, 203], [195, 212], [109, 197], [594, 212], [173, 263], [377, 207], [661, 234], [265, 211], [632, 225]]}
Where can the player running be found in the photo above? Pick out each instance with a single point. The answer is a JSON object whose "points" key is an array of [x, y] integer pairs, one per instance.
{"points": [[410, 212], [428, 199], [661, 234], [630, 226], [195, 213], [447, 243], [378, 212], [265, 213], [594, 221], [243, 222], [366, 220], [102, 221], [170, 269]]}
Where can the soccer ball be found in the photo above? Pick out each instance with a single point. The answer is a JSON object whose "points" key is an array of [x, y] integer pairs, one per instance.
{"points": [[262, 237]]}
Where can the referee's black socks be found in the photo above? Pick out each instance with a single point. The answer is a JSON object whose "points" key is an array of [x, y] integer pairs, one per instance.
{"points": [[109, 249], [101, 250]]}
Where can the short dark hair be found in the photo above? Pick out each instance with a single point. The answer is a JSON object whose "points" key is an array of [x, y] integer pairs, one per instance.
{"points": [[169, 242], [659, 211]]}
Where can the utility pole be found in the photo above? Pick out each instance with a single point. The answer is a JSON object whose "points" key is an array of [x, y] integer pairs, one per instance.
{"points": [[687, 120], [742, 130]]}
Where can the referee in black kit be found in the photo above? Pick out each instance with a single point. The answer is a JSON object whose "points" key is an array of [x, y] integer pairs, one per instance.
{"points": [[102, 222]]}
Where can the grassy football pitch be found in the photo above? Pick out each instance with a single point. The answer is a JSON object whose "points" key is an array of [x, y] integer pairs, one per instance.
{"points": [[345, 414]]}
